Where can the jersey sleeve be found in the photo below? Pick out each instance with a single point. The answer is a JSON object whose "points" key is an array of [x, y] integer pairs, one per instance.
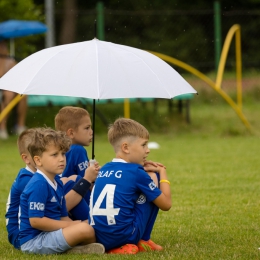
{"points": [[81, 161], [146, 185], [37, 199], [23, 181]]}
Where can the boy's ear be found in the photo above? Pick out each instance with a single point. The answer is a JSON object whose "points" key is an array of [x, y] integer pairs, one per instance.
{"points": [[70, 133], [124, 147], [37, 160], [24, 157]]}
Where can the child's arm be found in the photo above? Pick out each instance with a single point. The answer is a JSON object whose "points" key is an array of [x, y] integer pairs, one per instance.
{"points": [[164, 201], [48, 224], [74, 196]]}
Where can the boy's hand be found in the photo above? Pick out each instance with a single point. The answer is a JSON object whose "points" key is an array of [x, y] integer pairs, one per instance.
{"points": [[154, 164], [151, 168], [91, 172]]}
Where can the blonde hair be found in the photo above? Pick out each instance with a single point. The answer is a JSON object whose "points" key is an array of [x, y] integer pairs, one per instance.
{"points": [[69, 117], [24, 140], [43, 137], [124, 127]]}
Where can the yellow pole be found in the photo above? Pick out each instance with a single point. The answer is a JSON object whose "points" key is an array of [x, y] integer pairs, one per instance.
{"points": [[10, 106], [239, 68], [224, 53], [126, 108], [208, 81]]}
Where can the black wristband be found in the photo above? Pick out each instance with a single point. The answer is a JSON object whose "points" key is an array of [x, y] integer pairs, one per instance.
{"points": [[82, 187]]}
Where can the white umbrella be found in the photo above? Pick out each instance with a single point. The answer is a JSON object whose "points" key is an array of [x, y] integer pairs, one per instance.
{"points": [[95, 69]]}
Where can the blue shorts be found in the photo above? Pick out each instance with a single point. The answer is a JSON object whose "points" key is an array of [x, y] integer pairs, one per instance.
{"points": [[46, 243]]}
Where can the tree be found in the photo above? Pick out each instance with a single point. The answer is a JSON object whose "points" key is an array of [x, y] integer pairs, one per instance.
{"points": [[23, 10], [68, 26]]}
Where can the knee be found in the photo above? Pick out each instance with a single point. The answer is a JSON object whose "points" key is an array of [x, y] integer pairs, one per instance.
{"points": [[87, 230]]}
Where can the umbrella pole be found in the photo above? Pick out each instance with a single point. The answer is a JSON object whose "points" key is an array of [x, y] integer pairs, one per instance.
{"points": [[93, 127]]}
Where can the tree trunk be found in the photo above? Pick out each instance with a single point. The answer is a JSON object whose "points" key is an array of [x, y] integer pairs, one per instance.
{"points": [[68, 27]]}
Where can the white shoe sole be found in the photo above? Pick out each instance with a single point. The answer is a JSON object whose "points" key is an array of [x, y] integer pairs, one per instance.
{"points": [[93, 248]]}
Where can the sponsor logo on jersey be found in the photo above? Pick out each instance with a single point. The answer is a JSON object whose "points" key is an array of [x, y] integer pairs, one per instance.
{"points": [[37, 206], [53, 199], [141, 199], [152, 185], [83, 165]]}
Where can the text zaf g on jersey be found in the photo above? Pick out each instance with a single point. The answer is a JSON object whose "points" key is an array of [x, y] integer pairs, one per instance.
{"points": [[118, 174]]}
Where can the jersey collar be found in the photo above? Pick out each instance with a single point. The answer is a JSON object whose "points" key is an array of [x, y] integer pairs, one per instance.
{"points": [[118, 160], [29, 169], [53, 185]]}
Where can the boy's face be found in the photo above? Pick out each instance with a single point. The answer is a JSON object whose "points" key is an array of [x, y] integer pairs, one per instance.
{"points": [[84, 134], [138, 150], [52, 161]]}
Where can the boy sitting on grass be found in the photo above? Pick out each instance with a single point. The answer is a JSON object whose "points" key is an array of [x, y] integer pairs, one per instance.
{"points": [[127, 193], [74, 193], [76, 123], [45, 227]]}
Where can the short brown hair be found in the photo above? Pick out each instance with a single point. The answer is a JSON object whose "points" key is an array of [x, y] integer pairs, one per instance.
{"points": [[25, 139], [43, 137], [69, 117], [124, 127]]}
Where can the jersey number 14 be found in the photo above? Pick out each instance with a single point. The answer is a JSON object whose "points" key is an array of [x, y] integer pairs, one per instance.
{"points": [[109, 211]]}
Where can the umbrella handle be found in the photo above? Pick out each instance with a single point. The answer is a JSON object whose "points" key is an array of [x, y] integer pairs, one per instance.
{"points": [[92, 162]]}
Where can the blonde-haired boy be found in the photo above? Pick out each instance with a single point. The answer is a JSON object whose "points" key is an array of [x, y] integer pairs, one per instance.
{"points": [[76, 123], [75, 191], [23, 177], [45, 227], [128, 192]]}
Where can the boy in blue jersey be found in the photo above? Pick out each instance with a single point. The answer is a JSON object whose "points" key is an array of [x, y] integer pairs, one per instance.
{"points": [[127, 193], [23, 177], [45, 227], [74, 191], [76, 123]]}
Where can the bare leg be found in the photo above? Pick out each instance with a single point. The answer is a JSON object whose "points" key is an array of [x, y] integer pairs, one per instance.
{"points": [[81, 233], [22, 110], [6, 99]]}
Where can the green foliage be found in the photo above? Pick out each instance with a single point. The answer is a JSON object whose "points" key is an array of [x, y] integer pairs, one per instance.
{"points": [[23, 10]]}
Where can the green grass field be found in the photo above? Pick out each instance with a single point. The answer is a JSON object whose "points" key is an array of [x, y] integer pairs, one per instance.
{"points": [[213, 165]]}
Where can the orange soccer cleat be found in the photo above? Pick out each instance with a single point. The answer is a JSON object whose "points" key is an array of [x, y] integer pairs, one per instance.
{"points": [[128, 249], [148, 246]]}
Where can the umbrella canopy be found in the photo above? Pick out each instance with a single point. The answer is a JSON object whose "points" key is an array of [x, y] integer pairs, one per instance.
{"points": [[95, 69], [19, 28]]}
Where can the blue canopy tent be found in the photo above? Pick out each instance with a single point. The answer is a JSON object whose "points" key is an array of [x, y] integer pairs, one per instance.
{"points": [[19, 28]]}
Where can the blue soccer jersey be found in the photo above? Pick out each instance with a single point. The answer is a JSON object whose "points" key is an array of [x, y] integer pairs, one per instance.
{"points": [[40, 198], [12, 205], [77, 161], [119, 187]]}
